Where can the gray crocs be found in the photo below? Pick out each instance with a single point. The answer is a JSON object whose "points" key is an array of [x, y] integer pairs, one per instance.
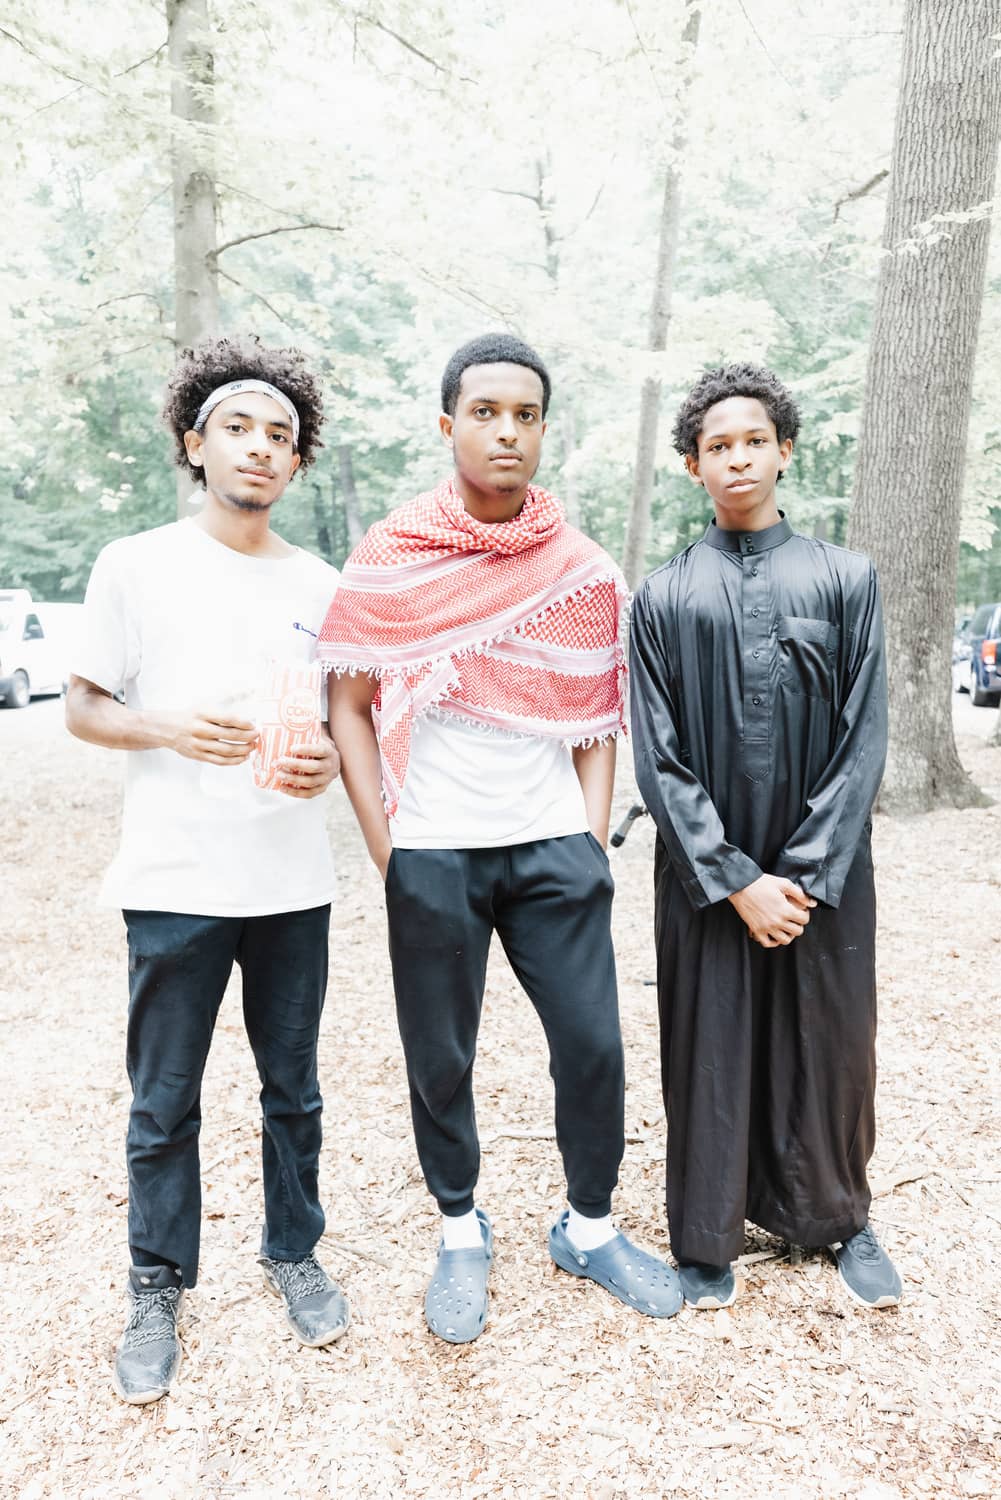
{"points": [[639, 1280], [456, 1303]]}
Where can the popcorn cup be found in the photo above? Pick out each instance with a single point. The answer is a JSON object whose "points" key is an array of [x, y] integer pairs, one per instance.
{"points": [[288, 717]]}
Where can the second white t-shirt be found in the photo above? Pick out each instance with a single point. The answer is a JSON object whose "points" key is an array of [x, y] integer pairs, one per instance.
{"points": [[472, 788], [178, 621]]}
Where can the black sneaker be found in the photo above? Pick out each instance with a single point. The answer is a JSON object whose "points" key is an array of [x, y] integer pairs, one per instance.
{"points": [[707, 1286], [316, 1308], [149, 1351], [866, 1269]]}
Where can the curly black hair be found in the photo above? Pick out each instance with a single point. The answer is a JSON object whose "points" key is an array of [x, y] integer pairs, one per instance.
{"points": [[215, 362], [734, 380], [491, 349]]}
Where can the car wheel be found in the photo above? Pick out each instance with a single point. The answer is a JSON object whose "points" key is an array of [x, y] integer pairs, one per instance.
{"points": [[19, 692], [978, 697]]}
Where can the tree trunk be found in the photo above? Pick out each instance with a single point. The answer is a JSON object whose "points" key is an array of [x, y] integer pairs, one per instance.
{"points": [[912, 443], [638, 522], [567, 449], [324, 541], [349, 494], [192, 108]]}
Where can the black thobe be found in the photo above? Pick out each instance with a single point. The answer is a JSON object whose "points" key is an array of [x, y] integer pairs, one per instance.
{"points": [[759, 726]]}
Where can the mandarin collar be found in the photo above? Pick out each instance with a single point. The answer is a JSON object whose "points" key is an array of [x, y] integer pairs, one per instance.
{"points": [[749, 542]]}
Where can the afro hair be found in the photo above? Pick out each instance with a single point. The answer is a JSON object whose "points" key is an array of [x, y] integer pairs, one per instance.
{"points": [[491, 349], [215, 362], [734, 380]]}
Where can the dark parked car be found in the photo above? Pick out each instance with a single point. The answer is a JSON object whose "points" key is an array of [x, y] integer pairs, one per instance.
{"points": [[984, 636]]}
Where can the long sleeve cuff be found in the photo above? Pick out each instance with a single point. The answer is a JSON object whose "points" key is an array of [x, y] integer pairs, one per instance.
{"points": [[714, 882], [818, 880]]}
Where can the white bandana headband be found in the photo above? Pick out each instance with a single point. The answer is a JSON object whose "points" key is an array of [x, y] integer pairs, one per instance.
{"points": [[234, 388]]}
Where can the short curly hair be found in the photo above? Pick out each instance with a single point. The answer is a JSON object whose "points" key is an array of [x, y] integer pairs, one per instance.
{"points": [[734, 380], [215, 362], [491, 349]]}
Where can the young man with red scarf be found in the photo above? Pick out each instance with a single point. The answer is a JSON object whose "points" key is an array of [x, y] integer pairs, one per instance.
{"points": [[476, 642]]}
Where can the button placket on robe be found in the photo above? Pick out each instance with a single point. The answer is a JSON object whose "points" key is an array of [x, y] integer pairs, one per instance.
{"points": [[757, 638]]}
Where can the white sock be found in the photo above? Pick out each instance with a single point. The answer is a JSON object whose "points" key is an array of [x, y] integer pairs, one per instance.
{"points": [[462, 1232], [589, 1234]]}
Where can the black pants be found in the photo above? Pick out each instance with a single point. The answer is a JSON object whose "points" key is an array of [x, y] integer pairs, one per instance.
{"points": [[550, 903], [179, 967]]}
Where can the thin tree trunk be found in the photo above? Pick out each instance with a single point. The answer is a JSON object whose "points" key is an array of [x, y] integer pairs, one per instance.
{"points": [[641, 503], [912, 443], [568, 447], [321, 521], [192, 107], [349, 494]]}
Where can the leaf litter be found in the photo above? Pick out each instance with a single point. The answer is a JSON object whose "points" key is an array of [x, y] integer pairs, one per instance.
{"points": [[792, 1393]]}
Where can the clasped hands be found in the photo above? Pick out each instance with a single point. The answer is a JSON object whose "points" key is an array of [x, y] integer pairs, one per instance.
{"points": [[774, 909], [219, 738]]}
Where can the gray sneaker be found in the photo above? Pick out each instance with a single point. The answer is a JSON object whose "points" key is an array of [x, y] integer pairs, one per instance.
{"points": [[149, 1352], [316, 1308], [707, 1286], [866, 1269]]}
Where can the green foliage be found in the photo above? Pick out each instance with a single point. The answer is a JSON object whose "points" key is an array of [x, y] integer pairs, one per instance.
{"points": [[452, 170]]}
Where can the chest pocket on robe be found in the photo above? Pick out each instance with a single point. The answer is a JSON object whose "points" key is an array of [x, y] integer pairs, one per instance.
{"points": [[807, 655]]}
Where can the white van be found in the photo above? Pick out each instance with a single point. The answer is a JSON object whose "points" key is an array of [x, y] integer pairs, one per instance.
{"points": [[35, 644]]}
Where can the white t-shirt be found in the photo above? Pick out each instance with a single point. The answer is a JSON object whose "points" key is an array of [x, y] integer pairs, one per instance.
{"points": [[472, 788], [179, 621]]}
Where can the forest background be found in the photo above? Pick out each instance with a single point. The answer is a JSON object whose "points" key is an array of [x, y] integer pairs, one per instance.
{"points": [[390, 178]]}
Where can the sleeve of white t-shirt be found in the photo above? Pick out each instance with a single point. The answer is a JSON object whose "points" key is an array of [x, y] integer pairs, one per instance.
{"points": [[107, 652]]}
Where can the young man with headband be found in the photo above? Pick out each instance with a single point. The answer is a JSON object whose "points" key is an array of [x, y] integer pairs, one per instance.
{"points": [[477, 642], [759, 717], [213, 869]]}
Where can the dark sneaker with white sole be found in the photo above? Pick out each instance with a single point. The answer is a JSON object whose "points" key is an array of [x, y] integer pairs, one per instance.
{"points": [[707, 1286], [149, 1351], [866, 1269], [315, 1306]]}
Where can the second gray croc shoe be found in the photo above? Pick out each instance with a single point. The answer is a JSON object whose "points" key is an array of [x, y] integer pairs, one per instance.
{"points": [[639, 1280], [456, 1303]]}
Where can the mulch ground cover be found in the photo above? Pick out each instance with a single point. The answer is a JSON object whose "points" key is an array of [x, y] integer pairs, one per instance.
{"points": [[794, 1392]]}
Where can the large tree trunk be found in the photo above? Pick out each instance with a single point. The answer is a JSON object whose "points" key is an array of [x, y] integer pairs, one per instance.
{"points": [[912, 444], [196, 283], [641, 503]]}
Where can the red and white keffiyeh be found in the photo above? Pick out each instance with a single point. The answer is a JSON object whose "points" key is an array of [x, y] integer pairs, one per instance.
{"points": [[515, 625]]}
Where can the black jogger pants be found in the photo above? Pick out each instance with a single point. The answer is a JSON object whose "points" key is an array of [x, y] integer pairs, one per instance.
{"points": [[549, 903]]}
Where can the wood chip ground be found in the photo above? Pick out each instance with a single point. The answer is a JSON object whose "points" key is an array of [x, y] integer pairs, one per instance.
{"points": [[793, 1394]]}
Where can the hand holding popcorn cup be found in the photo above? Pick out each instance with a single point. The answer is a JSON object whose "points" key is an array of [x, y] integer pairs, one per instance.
{"points": [[294, 754], [288, 717]]}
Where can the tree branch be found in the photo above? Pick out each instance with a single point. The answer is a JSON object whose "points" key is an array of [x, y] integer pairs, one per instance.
{"points": [[860, 192], [378, 25], [594, 204], [758, 38], [263, 234], [250, 291], [142, 61], [535, 198], [131, 297], [43, 60], [642, 46], [80, 84]]}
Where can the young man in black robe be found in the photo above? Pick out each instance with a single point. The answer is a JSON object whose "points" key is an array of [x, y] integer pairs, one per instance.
{"points": [[759, 722]]}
